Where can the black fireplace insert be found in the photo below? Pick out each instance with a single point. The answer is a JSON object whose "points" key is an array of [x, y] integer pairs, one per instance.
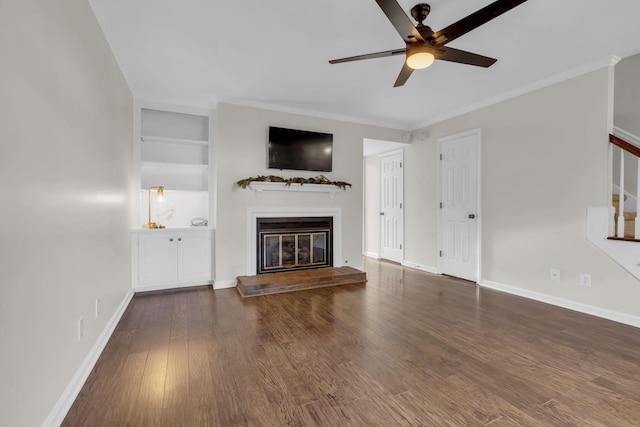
{"points": [[286, 244]]}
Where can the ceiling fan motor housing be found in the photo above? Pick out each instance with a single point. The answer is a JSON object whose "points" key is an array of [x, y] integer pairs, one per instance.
{"points": [[420, 12]]}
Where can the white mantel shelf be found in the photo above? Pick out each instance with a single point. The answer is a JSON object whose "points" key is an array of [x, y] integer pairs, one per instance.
{"points": [[260, 186]]}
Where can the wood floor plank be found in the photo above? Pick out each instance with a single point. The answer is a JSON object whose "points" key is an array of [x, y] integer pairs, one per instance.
{"points": [[121, 402], [290, 379], [409, 348], [321, 413], [243, 358], [175, 405], [148, 411]]}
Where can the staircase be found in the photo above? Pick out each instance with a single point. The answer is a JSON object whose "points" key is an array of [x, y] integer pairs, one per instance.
{"points": [[627, 224], [604, 229], [629, 219]]}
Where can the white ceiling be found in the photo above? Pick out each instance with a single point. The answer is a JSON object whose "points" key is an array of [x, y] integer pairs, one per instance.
{"points": [[275, 53]]}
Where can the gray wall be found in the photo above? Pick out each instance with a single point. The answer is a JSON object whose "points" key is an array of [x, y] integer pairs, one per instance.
{"points": [[65, 166], [544, 162], [626, 113]]}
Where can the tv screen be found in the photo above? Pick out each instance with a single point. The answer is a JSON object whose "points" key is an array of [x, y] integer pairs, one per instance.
{"points": [[300, 150]]}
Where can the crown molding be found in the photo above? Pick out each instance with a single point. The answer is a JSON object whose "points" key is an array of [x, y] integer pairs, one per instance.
{"points": [[311, 113], [610, 61]]}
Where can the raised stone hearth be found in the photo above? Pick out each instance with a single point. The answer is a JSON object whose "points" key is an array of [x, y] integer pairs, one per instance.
{"points": [[273, 283]]}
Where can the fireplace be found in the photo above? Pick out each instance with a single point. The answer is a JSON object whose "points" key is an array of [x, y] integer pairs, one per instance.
{"points": [[293, 243], [251, 242]]}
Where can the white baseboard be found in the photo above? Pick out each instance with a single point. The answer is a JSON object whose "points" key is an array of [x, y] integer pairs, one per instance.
{"points": [[224, 284], [169, 286], [372, 255], [627, 319], [421, 267], [62, 406]]}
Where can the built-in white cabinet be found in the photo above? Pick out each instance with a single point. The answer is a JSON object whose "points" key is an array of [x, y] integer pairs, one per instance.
{"points": [[194, 256], [172, 149], [172, 258]]}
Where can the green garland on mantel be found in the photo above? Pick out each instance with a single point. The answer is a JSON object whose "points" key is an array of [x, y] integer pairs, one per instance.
{"points": [[320, 179]]}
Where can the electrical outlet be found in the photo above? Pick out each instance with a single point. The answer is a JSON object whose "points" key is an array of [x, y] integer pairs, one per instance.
{"points": [[555, 274], [97, 307], [80, 328], [585, 280]]}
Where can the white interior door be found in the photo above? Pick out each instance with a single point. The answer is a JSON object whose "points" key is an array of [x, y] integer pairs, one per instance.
{"points": [[391, 201], [458, 219]]}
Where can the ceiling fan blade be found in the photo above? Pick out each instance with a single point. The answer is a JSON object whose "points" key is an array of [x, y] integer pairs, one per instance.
{"points": [[463, 57], [403, 76], [369, 56], [400, 21], [473, 21]]}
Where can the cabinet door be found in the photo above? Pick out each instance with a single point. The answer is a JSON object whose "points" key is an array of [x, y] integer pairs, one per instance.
{"points": [[157, 258], [194, 256]]}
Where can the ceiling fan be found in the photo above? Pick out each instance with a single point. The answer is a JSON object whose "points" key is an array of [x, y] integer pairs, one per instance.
{"points": [[424, 45]]}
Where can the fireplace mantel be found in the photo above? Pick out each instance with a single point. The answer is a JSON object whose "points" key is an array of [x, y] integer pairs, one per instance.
{"points": [[260, 186]]}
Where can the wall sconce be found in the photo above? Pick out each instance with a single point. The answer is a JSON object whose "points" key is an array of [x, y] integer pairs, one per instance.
{"points": [[160, 191]]}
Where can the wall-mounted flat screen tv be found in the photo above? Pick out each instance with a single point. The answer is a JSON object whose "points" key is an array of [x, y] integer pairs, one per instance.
{"points": [[300, 150]]}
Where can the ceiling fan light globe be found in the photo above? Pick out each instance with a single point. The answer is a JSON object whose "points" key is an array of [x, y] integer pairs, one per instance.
{"points": [[418, 59]]}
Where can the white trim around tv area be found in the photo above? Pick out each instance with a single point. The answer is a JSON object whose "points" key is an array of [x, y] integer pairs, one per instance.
{"points": [[254, 213]]}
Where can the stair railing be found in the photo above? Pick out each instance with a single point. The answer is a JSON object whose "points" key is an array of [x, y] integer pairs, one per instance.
{"points": [[630, 148]]}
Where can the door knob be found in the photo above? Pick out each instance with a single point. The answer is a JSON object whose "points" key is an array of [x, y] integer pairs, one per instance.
{"points": [[471, 216], [381, 213]]}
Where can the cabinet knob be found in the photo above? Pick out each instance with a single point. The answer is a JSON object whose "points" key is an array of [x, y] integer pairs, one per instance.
{"points": [[179, 239], [171, 239]]}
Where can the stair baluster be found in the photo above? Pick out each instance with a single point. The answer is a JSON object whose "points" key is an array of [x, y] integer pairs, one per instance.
{"points": [[620, 231], [637, 222]]}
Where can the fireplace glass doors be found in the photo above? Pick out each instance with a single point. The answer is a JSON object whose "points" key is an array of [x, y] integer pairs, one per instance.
{"points": [[286, 244]]}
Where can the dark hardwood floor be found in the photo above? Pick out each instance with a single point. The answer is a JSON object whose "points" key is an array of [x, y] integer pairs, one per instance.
{"points": [[409, 348]]}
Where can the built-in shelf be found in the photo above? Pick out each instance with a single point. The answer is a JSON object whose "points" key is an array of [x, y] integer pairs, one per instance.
{"points": [[259, 186], [174, 150], [160, 139], [167, 165]]}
